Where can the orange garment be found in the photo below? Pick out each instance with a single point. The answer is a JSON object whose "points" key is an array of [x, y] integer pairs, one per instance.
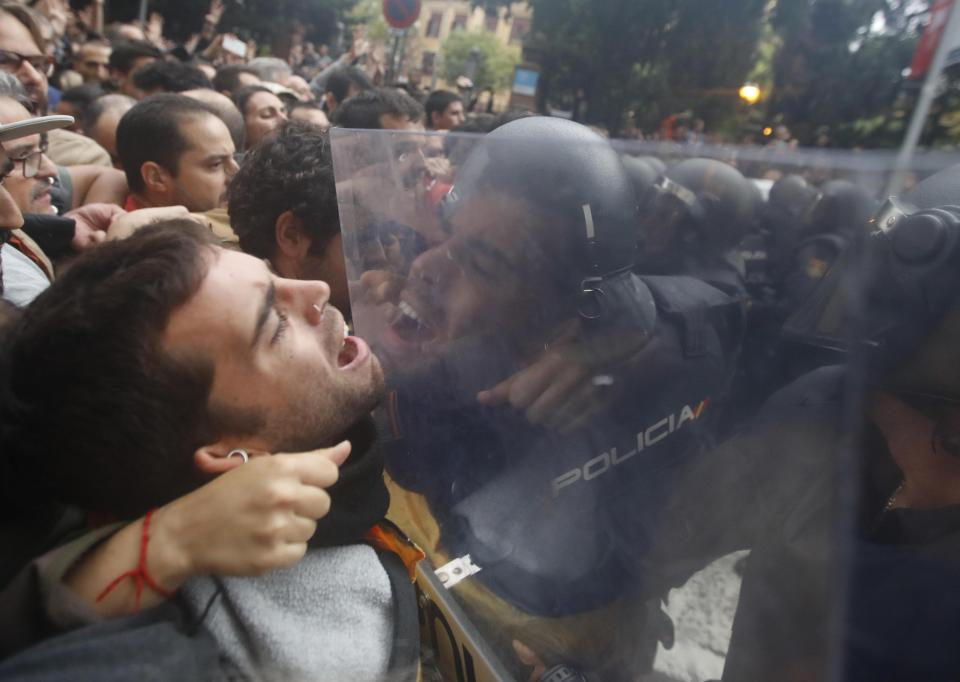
{"points": [[22, 243], [388, 538]]}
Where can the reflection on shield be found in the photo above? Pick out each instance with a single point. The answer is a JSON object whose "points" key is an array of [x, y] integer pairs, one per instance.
{"points": [[596, 430]]}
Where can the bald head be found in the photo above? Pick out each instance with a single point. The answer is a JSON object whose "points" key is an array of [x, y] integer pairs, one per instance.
{"points": [[224, 108], [101, 121]]}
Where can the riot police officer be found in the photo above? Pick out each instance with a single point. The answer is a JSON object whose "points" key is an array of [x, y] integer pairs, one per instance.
{"points": [[851, 515], [546, 394]]}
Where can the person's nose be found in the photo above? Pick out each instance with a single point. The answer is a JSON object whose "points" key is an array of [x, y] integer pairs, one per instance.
{"points": [[48, 169], [308, 297], [30, 77], [231, 167], [433, 266]]}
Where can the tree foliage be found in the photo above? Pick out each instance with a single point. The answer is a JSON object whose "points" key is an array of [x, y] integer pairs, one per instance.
{"points": [[263, 20], [654, 57], [834, 65], [495, 62], [840, 68]]}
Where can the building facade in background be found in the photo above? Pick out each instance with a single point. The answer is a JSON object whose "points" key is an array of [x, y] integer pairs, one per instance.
{"points": [[440, 18]]}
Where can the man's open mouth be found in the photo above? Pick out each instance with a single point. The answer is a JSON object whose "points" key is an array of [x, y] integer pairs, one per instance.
{"points": [[353, 351], [348, 352], [409, 326]]}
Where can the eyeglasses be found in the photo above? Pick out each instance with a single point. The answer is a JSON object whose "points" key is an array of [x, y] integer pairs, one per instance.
{"points": [[30, 163], [12, 61]]}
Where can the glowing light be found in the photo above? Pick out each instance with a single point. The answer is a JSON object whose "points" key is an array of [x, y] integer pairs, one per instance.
{"points": [[768, 131], [750, 93]]}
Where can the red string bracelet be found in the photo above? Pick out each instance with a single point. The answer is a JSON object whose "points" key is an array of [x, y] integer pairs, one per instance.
{"points": [[140, 574]]}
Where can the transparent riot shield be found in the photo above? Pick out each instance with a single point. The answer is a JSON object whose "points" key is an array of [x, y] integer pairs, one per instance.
{"points": [[618, 464]]}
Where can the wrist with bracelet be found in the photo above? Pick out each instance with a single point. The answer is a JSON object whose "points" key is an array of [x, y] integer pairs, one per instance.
{"points": [[141, 573]]}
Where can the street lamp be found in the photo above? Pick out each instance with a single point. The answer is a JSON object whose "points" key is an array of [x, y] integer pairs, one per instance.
{"points": [[750, 93]]}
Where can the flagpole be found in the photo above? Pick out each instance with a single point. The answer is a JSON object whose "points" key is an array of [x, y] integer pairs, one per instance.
{"points": [[927, 94]]}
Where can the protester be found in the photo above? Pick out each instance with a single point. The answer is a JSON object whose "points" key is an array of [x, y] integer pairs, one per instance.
{"points": [[233, 77], [168, 76], [347, 607], [120, 32], [283, 207], [342, 84], [31, 181], [309, 112], [75, 101], [100, 121], [444, 110], [380, 108], [175, 151], [20, 34], [25, 271], [270, 69], [93, 62], [75, 185], [263, 112], [125, 59], [223, 107]]}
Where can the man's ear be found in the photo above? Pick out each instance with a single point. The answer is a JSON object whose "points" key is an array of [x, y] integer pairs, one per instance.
{"points": [[156, 178], [292, 240], [331, 102], [212, 459]]}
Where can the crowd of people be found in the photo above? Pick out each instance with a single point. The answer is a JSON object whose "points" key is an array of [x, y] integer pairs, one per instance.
{"points": [[594, 373]]}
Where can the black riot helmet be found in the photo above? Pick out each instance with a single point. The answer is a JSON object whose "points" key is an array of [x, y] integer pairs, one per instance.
{"points": [[565, 169], [655, 163], [842, 208], [699, 207], [793, 197], [573, 175], [788, 209], [642, 174], [899, 300]]}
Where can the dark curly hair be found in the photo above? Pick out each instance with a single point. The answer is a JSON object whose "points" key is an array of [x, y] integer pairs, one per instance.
{"points": [[291, 170]]}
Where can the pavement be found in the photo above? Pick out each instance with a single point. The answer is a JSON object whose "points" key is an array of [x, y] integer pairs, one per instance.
{"points": [[702, 612]]}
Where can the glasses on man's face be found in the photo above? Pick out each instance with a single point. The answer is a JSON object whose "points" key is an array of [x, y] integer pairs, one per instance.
{"points": [[12, 61], [29, 163]]}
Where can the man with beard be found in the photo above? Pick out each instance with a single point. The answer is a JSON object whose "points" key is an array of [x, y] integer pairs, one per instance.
{"points": [[216, 361], [545, 394]]}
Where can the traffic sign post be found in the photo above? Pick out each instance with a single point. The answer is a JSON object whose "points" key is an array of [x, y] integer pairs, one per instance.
{"points": [[401, 13]]}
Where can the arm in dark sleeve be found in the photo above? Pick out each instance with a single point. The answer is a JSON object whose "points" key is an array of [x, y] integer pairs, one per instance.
{"points": [[53, 234]]}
